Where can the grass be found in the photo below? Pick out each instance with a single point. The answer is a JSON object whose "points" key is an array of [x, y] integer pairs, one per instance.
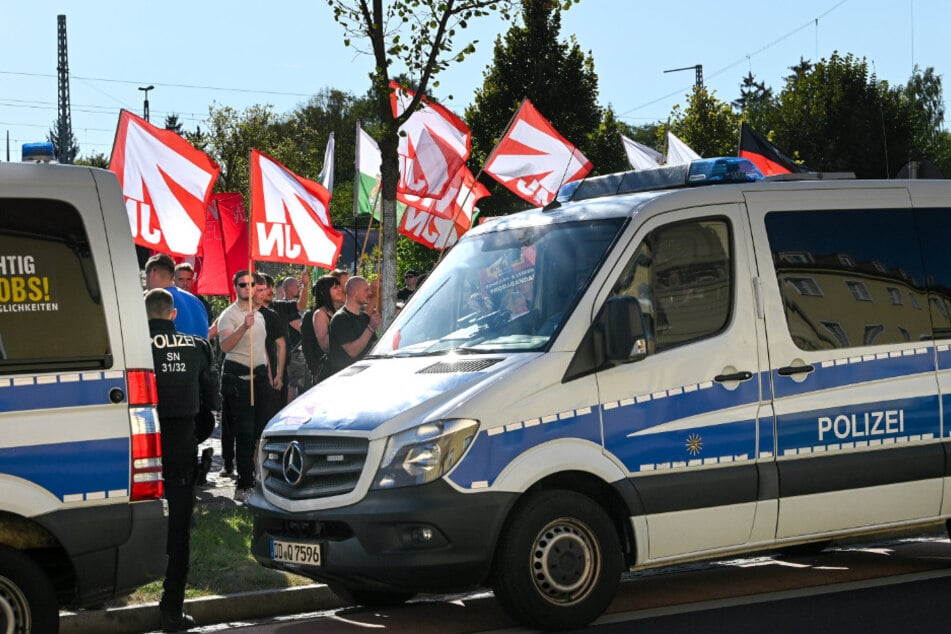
{"points": [[221, 561]]}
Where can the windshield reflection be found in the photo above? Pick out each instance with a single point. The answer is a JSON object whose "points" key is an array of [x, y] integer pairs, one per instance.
{"points": [[507, 290]]}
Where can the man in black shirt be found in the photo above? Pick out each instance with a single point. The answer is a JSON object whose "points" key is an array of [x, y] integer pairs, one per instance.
{"points": [[185, 377], [352, 331]]}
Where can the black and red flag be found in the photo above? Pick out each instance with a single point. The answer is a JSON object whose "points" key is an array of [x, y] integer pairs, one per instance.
{"points": [[767, 157]]}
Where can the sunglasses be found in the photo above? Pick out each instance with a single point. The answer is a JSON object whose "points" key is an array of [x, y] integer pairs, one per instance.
{"points": [[243, 284]]}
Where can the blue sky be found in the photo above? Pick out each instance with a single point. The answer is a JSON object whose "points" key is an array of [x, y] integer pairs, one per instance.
{"points": [[280, 52]]}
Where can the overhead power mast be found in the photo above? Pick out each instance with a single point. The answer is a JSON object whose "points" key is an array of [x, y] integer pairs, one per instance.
{"points": [[64, 124]]}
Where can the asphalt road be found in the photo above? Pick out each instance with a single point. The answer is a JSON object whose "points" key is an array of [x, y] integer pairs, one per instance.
{"points": [[894, 586]]}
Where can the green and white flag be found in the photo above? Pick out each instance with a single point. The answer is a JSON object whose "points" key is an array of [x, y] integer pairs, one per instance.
{"points": [[369, 179], [369, 161]]}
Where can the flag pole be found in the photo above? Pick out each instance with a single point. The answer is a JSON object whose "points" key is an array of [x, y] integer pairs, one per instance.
{"points": [[356, 197], [488, 160], [251, 311]]}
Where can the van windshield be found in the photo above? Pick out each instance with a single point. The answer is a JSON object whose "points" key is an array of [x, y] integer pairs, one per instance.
{"points": [[507, 290]]}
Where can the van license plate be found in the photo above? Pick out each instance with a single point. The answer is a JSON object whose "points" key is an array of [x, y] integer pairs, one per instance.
{"points": [[295, 553]]}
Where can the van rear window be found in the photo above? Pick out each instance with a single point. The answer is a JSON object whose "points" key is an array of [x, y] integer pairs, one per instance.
{"points": [[51, 314], [850, 278]]}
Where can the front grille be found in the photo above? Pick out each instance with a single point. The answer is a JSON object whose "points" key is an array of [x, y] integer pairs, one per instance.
{"points": [[332, 466], [455, 367]]}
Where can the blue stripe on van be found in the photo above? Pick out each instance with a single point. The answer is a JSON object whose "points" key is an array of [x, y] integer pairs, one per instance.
{"points": [[63, 390], [89, 469], [631, 429], [850, 371], [493, 450], [866, 424]]}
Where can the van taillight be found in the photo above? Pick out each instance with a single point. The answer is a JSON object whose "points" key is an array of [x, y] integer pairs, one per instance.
{"points": [[142, 388], [146, 436]]}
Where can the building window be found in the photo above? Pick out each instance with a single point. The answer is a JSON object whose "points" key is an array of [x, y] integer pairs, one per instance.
{"points": [[806, 286], [914, 301], [871, 332], [846, 261], [838, 332], [795, 257], [894, 294], [904, 333], [859, 291]]}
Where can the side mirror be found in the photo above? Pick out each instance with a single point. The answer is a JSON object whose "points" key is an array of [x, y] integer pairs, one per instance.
{"points": [[625, 338]]}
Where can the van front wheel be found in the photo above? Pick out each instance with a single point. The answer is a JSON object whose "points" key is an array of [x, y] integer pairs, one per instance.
{"points": [[27, 598], [559, 561]]}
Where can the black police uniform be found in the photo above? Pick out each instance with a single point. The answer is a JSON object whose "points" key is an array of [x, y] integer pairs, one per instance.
{"points": [[185, 375]]}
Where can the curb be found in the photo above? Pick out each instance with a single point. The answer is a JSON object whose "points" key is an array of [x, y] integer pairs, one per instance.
{"points": [[206, 610]]}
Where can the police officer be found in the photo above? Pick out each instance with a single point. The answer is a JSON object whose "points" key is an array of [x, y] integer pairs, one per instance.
{"points": [[185, 376]]}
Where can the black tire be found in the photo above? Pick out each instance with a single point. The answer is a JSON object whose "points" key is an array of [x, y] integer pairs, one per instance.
{"points": [[27, 597], [559, 561], [372, 598]]}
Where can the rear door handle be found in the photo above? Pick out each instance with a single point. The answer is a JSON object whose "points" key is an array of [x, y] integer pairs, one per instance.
{"points": [[736, 376], [789, 370]]}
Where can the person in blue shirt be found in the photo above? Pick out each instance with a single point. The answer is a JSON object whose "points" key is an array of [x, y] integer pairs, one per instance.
{"points": [[191, 317]]}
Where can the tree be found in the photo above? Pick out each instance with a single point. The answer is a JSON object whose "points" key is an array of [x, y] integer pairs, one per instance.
{"points": [[98, 159], [530, 61], [839, 118], [172, 123], [428, 49], [64, 143], [230, 137], [708, 125], [755, 101]]}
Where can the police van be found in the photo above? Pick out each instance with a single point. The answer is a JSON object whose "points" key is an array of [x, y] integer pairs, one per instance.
{"points": [[82, 517], [661, 366]]}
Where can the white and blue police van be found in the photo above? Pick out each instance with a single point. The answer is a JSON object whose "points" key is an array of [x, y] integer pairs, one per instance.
{"points": [[677, 364], [82, 518]]}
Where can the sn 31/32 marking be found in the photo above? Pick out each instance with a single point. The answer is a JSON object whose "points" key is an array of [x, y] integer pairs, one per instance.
{"points": [[295, 553]]}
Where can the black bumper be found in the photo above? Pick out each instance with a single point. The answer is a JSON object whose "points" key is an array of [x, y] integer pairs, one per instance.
{"points": [[377, 542], [113, 549]]}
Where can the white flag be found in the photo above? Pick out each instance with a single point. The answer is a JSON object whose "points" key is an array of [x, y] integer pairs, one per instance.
{"points": [[679, 152], [640, 156], [326, 177]]}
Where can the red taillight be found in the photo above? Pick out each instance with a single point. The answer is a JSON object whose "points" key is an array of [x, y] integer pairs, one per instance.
{"points": [[142, 388], [146, 471]]}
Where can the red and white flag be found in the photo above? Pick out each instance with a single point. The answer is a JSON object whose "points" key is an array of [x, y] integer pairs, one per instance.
{"points": [[224, 245], [533, 160], [439, 224], [434, 144], [166, 183], [290, 217]]}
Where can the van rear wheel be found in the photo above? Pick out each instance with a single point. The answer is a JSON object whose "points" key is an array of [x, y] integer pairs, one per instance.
{"points": [[27, 597], [559, 561]]}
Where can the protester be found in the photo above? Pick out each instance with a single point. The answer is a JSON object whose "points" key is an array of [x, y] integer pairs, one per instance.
{"points": [[191, 317], [410, 279], [242, 334], [352, 331], [185, 378], [297, 377], [185, 280], [276, 342]]}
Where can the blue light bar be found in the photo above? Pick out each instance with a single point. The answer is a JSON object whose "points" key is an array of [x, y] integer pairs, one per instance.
{"points": [[727, 169], [37, 152]]}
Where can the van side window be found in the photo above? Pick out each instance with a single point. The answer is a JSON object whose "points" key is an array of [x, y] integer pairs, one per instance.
{"points": [[934, 226], [682, 276], [51, 314], [865, 262]]}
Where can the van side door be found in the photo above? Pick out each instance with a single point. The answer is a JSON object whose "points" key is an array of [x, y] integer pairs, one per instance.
{"points": [[852, 364], [683, 420]]}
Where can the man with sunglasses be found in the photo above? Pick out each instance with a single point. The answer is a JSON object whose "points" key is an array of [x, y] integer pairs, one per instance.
{"points": [[241, 335]]}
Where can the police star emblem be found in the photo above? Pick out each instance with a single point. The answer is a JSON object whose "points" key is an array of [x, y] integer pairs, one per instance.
{"points": [[694, 444]]}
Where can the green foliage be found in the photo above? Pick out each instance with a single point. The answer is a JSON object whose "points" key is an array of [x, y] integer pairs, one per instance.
{"points": [[94, 160], [708, 125], [413, 255], [839, 117], [64, 143], [221, 561]]}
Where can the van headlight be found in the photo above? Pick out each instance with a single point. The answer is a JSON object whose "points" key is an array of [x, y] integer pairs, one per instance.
{"points": [[424, 453]]}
